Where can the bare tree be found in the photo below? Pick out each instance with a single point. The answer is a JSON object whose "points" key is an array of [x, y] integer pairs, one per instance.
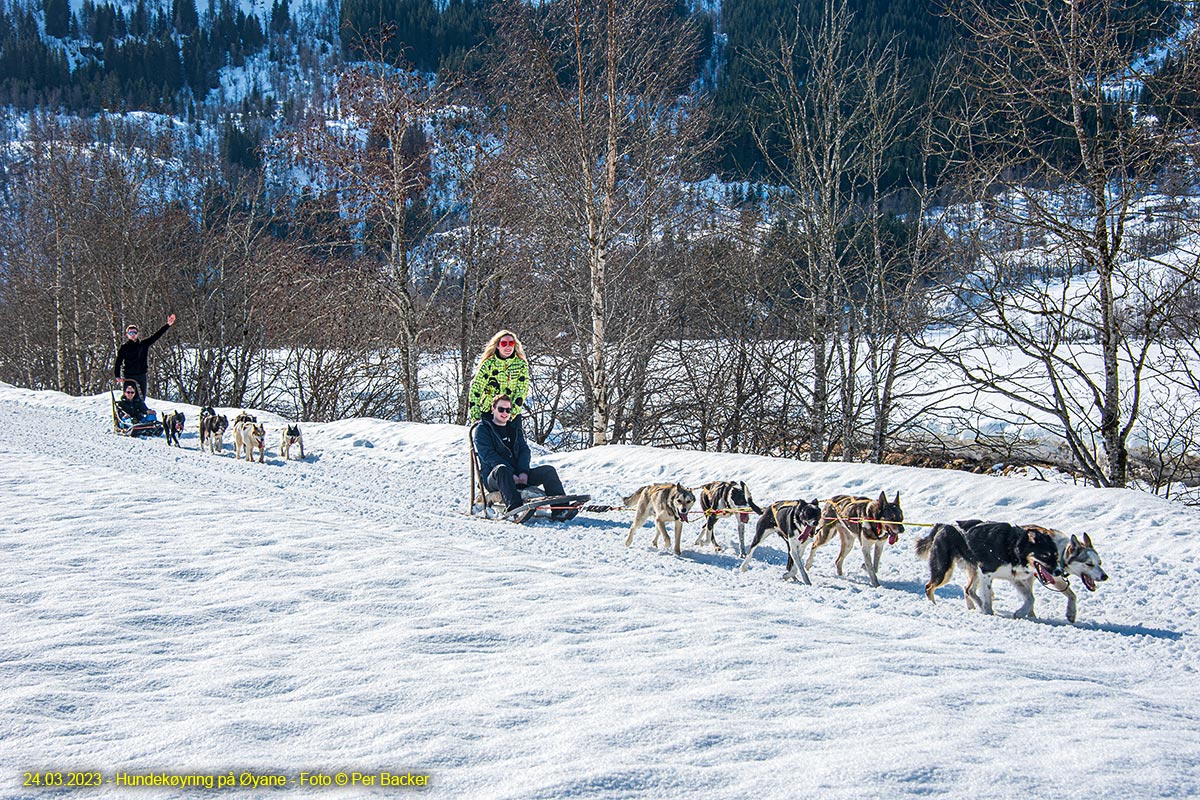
{"points": [[599, 131], [828, 108], [377, 154], [81, 217], [906, 267], [1058, 159], [478, 246]]}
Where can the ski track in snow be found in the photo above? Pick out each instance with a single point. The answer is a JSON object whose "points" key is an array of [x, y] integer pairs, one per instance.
{"points": [[164, 609]]}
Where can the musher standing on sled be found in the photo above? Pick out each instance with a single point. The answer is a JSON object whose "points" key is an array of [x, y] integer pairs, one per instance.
{"points": [[502, 369], [131, 364], [504, 460]]}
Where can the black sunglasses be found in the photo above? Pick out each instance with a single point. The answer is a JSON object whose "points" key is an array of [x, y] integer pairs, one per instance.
{"points": [[504, 409]]}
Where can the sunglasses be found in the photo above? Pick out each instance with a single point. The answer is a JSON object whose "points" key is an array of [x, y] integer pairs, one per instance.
{"points": [[131, 332], [508, 344], [130, 391], [503, 409]]}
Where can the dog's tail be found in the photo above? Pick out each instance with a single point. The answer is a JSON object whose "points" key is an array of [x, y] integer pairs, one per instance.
{"points": [[941, 547], [633, 498]]}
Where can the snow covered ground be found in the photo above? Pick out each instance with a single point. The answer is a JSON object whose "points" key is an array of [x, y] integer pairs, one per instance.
{"points": [[164, 610]]}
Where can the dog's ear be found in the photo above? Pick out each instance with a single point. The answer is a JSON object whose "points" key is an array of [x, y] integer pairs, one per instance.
{"points": [[1087, 541], [896, 502], [883, 498], [1032, 537], [1075, 541]]}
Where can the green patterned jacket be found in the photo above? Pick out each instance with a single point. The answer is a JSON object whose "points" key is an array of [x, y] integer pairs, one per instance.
{"points": [[499, 376]]}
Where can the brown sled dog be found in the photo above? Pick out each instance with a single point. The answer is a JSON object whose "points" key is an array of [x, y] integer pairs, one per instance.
{"points": [[872, 523], [664, 502], [247, 435]]}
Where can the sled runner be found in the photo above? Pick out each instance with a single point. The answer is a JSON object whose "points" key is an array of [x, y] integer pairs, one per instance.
{"points": [[490, 505], [542, 505]]}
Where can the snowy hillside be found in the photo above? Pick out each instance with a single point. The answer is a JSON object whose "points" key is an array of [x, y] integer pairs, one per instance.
{"points": [[167, 610]]}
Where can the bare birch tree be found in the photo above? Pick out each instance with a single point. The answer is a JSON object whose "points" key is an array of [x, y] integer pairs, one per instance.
{"points": [[813, 136], [599, 130], [377, 152]]}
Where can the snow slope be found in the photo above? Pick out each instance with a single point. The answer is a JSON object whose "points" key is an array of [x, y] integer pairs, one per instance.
{"points": [[167, 610]]}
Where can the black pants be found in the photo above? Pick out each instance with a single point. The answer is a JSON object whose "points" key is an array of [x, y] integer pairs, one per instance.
{"points": [[502, 480], [140, 380]]}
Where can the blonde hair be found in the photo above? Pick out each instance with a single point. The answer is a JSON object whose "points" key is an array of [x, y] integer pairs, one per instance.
{"points": [[490, 349]]}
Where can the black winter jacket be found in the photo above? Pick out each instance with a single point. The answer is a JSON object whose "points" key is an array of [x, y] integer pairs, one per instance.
{"points": [[496, 445], [135, 408], [133, 355]]}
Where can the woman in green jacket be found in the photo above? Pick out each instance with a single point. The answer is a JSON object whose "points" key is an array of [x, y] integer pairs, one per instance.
{"points": [[502, 370]]}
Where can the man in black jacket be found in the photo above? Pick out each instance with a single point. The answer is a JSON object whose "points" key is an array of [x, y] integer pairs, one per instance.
{"points": [[504, 457], [131, 365]]}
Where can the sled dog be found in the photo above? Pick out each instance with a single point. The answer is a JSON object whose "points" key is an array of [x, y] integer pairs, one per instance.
{"points": [[244, 417], [725, 496], [212, 432], [1076, 557], [871, 523], [988, 551], [664, 502], [291, 437], [205, 413], [173, 426], [796, 521], [248, 435]]}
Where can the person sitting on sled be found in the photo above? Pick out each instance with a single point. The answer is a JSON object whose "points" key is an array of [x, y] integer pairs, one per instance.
{"points": [[132, 405], [504, 458]]}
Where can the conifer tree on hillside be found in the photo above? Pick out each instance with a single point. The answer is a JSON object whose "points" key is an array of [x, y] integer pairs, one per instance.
{"points": [[184, 16], [58, 17], [280, 19]]}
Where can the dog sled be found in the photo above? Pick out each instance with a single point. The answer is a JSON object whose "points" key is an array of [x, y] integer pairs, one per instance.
{"points": [[486, 504], [123, 424]]}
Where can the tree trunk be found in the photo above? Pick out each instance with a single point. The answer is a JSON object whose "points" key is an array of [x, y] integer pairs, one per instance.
{"points": [[599, 381]]}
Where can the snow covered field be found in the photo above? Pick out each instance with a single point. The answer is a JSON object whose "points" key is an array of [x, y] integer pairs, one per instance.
{"points": [[166, 610]]}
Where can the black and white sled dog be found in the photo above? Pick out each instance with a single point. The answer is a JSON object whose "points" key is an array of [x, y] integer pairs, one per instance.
{"points": [[662, 502], [988, 551], [1077, 557], [173, 426], [205, 413], [291, 437], [212, 431], [725, 496], [796, 521]]}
